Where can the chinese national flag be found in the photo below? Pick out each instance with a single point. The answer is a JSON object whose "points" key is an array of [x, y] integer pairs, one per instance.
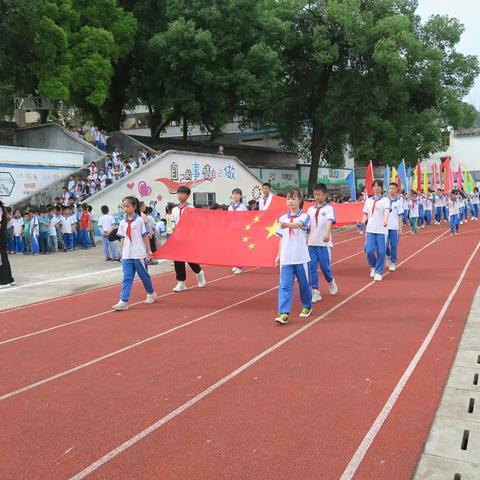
{"points": [[217, 237], [246, 239]]}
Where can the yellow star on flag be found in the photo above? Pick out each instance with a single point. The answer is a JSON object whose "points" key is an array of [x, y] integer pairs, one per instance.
{"points": [[252, 245], [248, 227], [256, 219], [272, 230], [246, 239]]}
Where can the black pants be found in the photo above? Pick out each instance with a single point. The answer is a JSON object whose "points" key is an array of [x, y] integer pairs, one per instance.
{"points": [[5, 270], [181, 271]]}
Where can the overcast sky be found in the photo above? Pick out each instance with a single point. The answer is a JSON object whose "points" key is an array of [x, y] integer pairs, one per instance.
{"points": [[464, 10]]}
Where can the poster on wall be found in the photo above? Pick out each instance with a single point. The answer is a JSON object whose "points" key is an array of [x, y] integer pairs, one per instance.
{"points": [[279, 179], [328, 176]]}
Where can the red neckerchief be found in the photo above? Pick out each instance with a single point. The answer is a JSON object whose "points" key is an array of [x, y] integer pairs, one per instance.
{"points": [[318, 207], [182, 208], [290, 216], [129, 227], [235, 206], [265, 200], [375, 200]]}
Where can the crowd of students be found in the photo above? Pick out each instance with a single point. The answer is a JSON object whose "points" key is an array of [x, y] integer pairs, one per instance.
{"points": [[117, 166], [420, 210]]}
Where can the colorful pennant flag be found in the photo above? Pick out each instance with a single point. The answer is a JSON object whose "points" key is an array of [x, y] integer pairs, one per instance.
{"points": [[402, 175], [369, 179], [418, 173], [425, 180], [350, 179]]}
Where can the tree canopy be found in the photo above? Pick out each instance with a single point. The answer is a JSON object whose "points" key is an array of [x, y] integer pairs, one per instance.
{"points": [[367, 75]]}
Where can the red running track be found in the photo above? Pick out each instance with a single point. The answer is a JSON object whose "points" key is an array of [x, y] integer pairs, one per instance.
{"points": [[204, 385]]}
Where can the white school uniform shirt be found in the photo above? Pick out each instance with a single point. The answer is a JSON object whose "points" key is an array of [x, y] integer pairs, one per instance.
{"points": [[17, 224], [264, 203], [438, 201], [475, 198], [460, 201], [413, 207], [237, 207], [54, 221], [103, 180], [134, 247], [34, 225], [453, 208], [67, 223], [177, 212], [106, 222], [405, 204], [319, 217], [428, 203], [294, 249], [71, 185], [396, 210], [375, 208]]}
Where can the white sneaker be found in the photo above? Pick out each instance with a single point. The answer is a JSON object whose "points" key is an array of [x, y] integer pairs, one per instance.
{"points": [[233, 269], [180, 287], [6, 285], [361, 233], [332, 287], [372, 272], [201, 279], [237, 270], [377, 277], [121, 305], [13, 284], [392, 267], [316, 297], [461, 223], [150, 298]]}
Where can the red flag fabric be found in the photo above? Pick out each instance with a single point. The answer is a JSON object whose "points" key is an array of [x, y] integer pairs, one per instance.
{"points": [[448, 175], [369, 179], [459, 177], [434, 176], [217, 237], [418, 186]]}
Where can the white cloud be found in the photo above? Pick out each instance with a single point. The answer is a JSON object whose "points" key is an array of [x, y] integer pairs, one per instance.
{"points": [[468, 13]]}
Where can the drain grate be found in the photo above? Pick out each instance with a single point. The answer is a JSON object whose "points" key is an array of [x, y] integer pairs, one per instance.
{"points": [[452, 449]]}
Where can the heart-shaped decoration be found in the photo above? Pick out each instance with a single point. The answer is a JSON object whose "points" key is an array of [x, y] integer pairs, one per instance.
{"points": [[130, 185], [143, 189]]}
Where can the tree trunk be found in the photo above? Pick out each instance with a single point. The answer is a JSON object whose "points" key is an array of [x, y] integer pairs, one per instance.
{"points": [[185, 129], [316, 148], [44, 115]]}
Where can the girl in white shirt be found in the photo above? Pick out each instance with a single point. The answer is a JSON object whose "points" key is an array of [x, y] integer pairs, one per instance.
{"points": [[475, 201], [293, 258], [136, 250], [376, 211], [237, 206]]}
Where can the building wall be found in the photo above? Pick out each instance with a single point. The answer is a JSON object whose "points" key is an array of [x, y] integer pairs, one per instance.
{"points": [[25, 171], [156, 183], [52, 136]]}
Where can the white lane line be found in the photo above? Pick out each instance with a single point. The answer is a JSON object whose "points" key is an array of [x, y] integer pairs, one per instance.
{"points": [[106, 312], [155, 426], [57, 299], [140, 342], [388, 407]]}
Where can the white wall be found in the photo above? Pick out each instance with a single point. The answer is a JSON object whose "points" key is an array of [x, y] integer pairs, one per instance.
{"points": [[464, 150], [158, 180], [24, 171]]}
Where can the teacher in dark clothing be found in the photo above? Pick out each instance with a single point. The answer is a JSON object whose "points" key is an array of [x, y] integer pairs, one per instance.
{"points": [[6, 279]]}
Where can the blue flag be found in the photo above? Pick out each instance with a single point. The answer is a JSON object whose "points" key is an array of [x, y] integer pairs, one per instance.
{"points": [[386, 177], [350, 179], [402, 173]]}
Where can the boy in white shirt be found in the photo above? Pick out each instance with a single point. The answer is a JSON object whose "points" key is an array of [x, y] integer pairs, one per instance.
{"points": [[413, 208], [395, 218], [320, 244], [454, 213], [183, 193], [266, 198], [69, 227], [438, 206], [106, 223], [17, 224], [428, 209], [376, 211], [52, 230], [293, 258]]}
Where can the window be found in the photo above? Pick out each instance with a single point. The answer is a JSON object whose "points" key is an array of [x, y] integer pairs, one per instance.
{"points": [[201, 199]]}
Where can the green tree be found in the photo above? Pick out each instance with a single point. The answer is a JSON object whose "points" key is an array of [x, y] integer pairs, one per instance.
{"points": [[370, 74]]}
